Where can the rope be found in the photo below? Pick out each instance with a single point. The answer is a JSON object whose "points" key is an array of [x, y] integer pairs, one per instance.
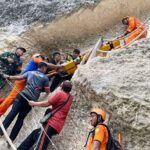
{"points": [[49, 137], [38, 140], [93, 53], [7, 136]]}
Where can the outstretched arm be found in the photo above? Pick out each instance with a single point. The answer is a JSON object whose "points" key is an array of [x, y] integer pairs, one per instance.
{"points": [[18, 77], [126, 33], [52, 66], [120, 37], [39, 104]]}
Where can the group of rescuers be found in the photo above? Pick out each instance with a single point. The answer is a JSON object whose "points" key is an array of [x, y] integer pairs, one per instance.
{"points": [[34, 79]]}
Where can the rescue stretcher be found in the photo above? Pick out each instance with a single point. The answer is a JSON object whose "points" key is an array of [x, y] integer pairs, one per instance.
{"points": [[101, 49]]}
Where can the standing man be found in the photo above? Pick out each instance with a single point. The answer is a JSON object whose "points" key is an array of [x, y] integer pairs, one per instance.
{"points": [[56, 58], [61, 76], [54, 124], [37, 82], [99, 134], [10, 63], [75, 55]]}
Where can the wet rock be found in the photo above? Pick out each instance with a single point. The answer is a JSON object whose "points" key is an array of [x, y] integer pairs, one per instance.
{"points": [[120, 85], [29, 11]]}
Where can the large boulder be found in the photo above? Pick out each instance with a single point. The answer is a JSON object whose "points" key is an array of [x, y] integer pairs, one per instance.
{"points": [[120, 84]]}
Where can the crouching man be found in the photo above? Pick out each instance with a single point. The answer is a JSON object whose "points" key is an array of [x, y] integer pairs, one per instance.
{"points": [[61, 102]]}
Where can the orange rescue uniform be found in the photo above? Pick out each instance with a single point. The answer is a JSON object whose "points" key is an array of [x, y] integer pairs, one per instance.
{"points": [[135, 27], [101, 135], [18, 87]]}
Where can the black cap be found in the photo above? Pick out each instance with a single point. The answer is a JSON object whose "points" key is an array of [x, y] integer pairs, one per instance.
{"points": [[21, 48]]}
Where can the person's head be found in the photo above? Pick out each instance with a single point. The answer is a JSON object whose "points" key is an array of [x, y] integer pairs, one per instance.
{"points": [[57, 56], [125, 21], [38, 55], [20, 51], [42, 66], [66, 86], [97, 116], [76, 53]]}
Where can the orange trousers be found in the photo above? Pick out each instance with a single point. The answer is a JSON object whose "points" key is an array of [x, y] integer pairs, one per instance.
{"points": [[18, 87], [133, 35]]}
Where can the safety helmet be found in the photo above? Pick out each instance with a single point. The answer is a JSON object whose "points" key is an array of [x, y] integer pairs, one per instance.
{"points": [[99, 111], [36, 55]]}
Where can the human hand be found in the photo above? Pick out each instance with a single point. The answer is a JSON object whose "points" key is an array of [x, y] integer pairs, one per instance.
{"points": [[32, 103], [52, 74], [120, 37], [10, 60], [6, 76], [60, 66]]}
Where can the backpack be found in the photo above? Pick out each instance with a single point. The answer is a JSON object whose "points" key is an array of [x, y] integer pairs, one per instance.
{"points": [[112, 144]]}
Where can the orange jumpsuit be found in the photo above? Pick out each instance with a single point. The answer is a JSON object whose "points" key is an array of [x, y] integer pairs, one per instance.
{"points": [[18, 87], [135, 27]]}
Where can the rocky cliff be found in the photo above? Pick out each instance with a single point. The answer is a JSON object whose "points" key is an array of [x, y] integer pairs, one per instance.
{"points": [[72, 24], [120, 85]]}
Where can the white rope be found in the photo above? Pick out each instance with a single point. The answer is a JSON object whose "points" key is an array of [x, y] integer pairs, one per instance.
{"points": [[93, 53], [7, 136], [10, 83], [48, 137], [36, 144]]}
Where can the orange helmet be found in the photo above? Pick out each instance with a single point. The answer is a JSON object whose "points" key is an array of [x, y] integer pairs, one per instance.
{"points": [[99, 112], [36, 55]]}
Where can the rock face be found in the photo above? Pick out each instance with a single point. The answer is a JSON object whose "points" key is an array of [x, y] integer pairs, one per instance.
{"points": [[29, 11], [120, 85]]}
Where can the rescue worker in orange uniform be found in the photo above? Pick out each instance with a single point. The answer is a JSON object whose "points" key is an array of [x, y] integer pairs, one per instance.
{"points": [[98, 136], [20, 84], [134, 29]]}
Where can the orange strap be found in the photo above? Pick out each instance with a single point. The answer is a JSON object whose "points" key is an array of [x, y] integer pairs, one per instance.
{"points": [[120, 138]]}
